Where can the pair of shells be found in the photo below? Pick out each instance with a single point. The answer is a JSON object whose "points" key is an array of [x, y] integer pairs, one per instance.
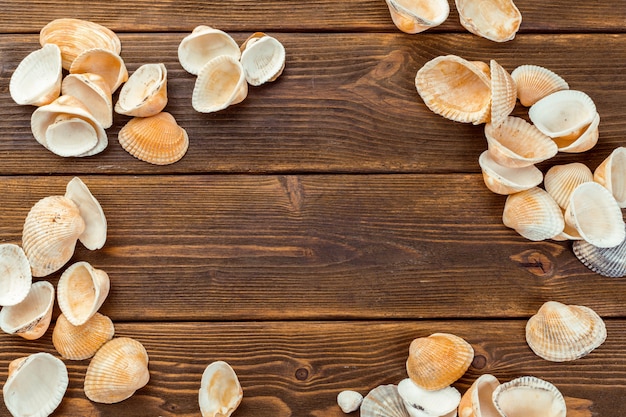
{"points": [[30, 318], [408, 400], [220, 391]]}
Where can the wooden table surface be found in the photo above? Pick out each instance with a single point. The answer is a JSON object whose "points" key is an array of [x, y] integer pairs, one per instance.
{"points": [[314, 230]]}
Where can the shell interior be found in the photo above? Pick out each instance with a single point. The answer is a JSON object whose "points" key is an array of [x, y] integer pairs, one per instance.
{"points": [[95, 233], [204, 44], [563, 114], [94, 92], [411, 16], [220, 83], [496, 20], [70, 136], [529, 396], [478, 399], [107, 64], [81, 291], [31, 317], [263, 60], [220, 391], [145, 92], [506, 180], [37, 78], [431, 402], [15, 275]]}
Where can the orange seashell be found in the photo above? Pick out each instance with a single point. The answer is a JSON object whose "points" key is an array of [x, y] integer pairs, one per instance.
{"points": [[81, 342]]}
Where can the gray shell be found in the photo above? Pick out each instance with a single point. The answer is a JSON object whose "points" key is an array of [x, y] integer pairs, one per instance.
{"points": [[609, 262], [383, 401]]}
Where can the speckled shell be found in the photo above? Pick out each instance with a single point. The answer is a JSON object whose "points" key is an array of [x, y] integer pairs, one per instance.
{"points": [[505, 180], [221, 83], [383, 401], [31, 317], [81, 342], [95, 233], [419, 401], [94, 92], [535, 82], [609, 262], [81, 291], [417, 16], [145, 92], [37, 79], [220, 391], [117, 370], [204, 44], [559, 332], [15, 275], [528, 396], [611, 174], [563, 115], [534, 214], [478, 399], [103, 62], [561, 180], [496, 20], [262, 59], [349, 400], [438, 360], [503, 93]]}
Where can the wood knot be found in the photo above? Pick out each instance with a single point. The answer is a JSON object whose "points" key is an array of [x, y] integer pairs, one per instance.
{"points": [[479, 362], [535, 262], [302, 374]]}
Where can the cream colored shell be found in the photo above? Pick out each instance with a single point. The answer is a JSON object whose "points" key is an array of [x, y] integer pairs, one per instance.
{"points": [[561, 180], [529, 396], [37, 79], [419, 401], [31, 317], [496, 20], [534, 214], [95, 233], [145, 92], [15, 275], [202, 45], [94, 92], [220, 391], [221, 83], [81, 342], [503, 93], [415, 16], [262, 59], [611, 173], [505, 180], [478, 399], [103, 62], [349, 400], [535, 82], [383, 401], [81, 290]]}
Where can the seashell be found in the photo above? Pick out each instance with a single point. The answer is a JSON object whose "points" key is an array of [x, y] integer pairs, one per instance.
{"points": [[50, 232], [35, 386], [496, 20], [383, 401], [534, 214], [262, 59], [594, 213], [31, 317], [81, 291], [74, 36], [157, 139], [455, 88], [586, 140], [220, 391], [103, 62], [561, 180], [503, 93], [412, 16], [94, 92], [349, 401], [81, 342], [145, 92], [15, 275], [609, 262], [204, 44], [534, 83], [221, 83], [516, 143], [611, 173], [420, 402], [477, 400], [559, 332], [37, 79], [564, 114], [505, 180], [95, 233], [528, 396], [117, 370], [438, 360]]}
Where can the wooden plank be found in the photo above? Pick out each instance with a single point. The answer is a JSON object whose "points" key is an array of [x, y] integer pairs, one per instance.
{"points": [[298, 368]]}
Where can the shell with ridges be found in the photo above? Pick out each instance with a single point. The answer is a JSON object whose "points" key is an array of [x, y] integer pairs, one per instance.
{"points": [[349, 401], [37, 79], [535, 82], [503, 93], [564, 114], [262, 59], [145, 92], [608, 262], [582, 140], [15, 275], [220, 391], [496, 20], [31, 317], [505, 180], [81, 291], [561, 180], [611, 173], [81, 342], [419, 401], [103, 62], [417, 16], [529, 396], [203, 44], [534, 214], [221, 83], [383, 401], [94, 92], [478, 399], [95, 233]]}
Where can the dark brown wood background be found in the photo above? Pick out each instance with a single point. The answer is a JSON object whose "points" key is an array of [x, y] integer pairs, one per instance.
{"points": [[315, 229]]}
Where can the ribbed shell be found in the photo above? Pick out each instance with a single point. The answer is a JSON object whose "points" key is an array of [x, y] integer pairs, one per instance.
{"points": [[561, 180], [157, 139], [103, 62], [220, 391], [417, 400], [503, 93], [611, 173], [563, 114], [94, 92], [505, 180], [478, 399], [383, 401], [81, 291], [81, 342], [559, 332], [145, 92], [417, 16], [95, 234], [349, 400], [496, 20], [609, 262], [37, 79], [262, 59], [438, 360], [534, 214], [31, 317], [221, 83], [15, 275], [202, 45], [582, 140], [535, 82], [529, 396]]}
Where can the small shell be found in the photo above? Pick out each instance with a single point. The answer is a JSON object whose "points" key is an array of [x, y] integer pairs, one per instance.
{"points": [[221, 83], [534, 214], [118, 369], [15, 275], [50, 232], [503, 93], [535, 82], [438, 360], [383, 401], [35, 386], [419, 401], [31, 317], [262, 59], [157, 139], [220, 391], [611, 174], [582, 141], [94, 92], [563, 114], [95, 233], [528, 396], [609, 262], [81, 342], [412, 16], [505, 180], [349, 401], [561, 180], [455, 88], [204, 44], [496, 20], [103, 62], [145, 92], [477, 400], [81, 291], [37, 79], [559, 332]]}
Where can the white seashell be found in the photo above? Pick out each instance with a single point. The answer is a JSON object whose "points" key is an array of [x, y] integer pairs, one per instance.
{"points": [[503, 93], [528, 396], [204, 44], [31, 317], [221, 83], [609, 262], [15, 275], [611, 174], [564, 114], [496, 20], [534, 83], [145, 92], [349, 401], [534, 214], [103, 62], [420, 402], [415, 16], [262, 59], [383, 401], [37, 79], [81, 342], [81, 291], [220, 391], [586, 140], [95, 233], [561, 180], [94, 92], [505, 180], [478, 399]]}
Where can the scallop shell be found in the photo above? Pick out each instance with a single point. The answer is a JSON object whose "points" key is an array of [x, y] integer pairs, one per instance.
{"points": [[81, 342], [383, 401], [117, 370], [478, 399], [534, 214], [262, 59], [503, 93], [504, 180], [15, 275], [609, 262], [563, 114], [455, 88], [220, 391], [31, 317], [145, 92], [221, 83], [438, 360], [37, 79], [157, 139], [583, 141], [561, 180], [611, 174], [94, 92], [419, 401], [103, 62], [50, 232], [559, 332], [349, 401], [528, 396], [81, 291], [496, 20], [412, 16], [74, 36], [204, 44], [95, 233], [535, 82], [35, 386]]}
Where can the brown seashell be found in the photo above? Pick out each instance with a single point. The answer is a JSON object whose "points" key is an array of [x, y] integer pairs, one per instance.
{"points": [[220, 391], [81, 342]]}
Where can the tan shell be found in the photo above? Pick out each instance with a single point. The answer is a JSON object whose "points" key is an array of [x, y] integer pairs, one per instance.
{"points": [[383, 401], [535, 82], [221, 83], [94, 92], [202, 45], [503, 93], [528, 396], [611, 174], [220, 391], [455, 88], [157, 139], [31, 317], [609, 262], [73, 36], [81, 291], [563, 115], [349, 400], [35, 386], [37, 79], [438, 360], [145, 92], [116, 371], [477, 400], [581, 141], [262, 59], [496, 20], [103, 62], [561, 180], [15, 275], [534, 214], [411, 16], [50, 233], [504, 180], [81, 342], [95, 233], [419, 401]]}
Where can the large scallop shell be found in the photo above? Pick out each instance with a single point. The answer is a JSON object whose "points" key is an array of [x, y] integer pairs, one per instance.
{"points": [[262, 58], [204, 44], [529, 396], [81, 291], [505, 180], [611, 174], [419, 401], [221, 83], [220, 391], [94, 92], [383, 401], [561, 180], [503, 93], [535, 82], [81, 342], [145, 92], [103, 62], [478, 399], [496, 20], [534, 214], [37, 79], [15, 275], [564, 114], [415, 16], [31, 317], [609, 262], [95, 233]]}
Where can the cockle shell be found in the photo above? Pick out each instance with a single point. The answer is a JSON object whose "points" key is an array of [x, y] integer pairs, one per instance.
{"points": [[117, 370], [81, 291], [35, 386], [505, 180], [94, 92], [535, 82], [204, 44], [415, 16], [559, 332], [37, 79], [221, 83], [145, 92], [349, 401], [561, 180], [31, 317], [611, 174], [438, 360], [534, 214], [157, 139], [383, 401], [496, 20], [609, 262], [95, 233], [503, 93], [15, 275], [81, 342], [50, 233], [262, 58], [528, 396], [103, 62], [420, 402], [455, 88], [582, 142], [478, 399], [220, 391]]}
